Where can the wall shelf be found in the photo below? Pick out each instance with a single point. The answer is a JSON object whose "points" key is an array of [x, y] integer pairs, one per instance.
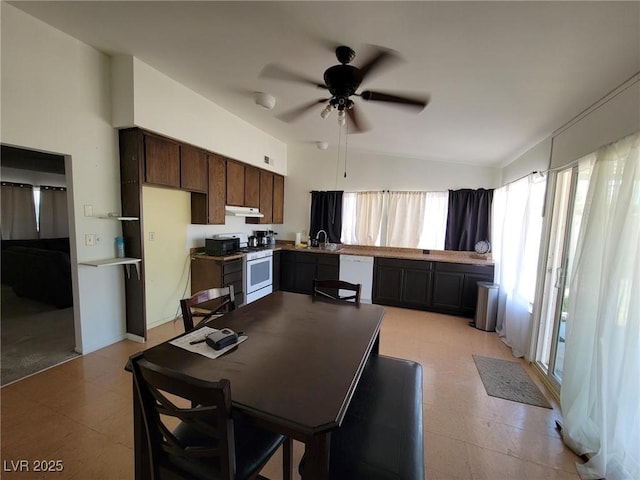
{"points": [[108, 262], [126, 219]]}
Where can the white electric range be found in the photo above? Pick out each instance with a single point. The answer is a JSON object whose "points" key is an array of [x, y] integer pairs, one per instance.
{"points": [[257, 269]]}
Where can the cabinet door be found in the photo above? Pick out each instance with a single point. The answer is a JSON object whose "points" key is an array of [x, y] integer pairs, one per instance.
{"points": [[416, 287], [305, 272], [235, 183], [162, 161], [217, 189], [276, 270], [278, 199], [266, 196], [251, 187], [447, 290], [287, 270], [387, 284], [328, 266], [194, 172]]}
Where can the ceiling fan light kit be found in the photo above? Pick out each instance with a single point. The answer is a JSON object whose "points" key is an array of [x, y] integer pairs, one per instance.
{"points": [[265, 100]]}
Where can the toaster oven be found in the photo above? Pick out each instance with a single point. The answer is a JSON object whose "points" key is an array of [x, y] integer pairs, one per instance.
{"points": [[219, 247]]}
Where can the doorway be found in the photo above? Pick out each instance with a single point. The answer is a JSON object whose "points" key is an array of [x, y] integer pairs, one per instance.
{"points": [[37, 325], [567, 196]]}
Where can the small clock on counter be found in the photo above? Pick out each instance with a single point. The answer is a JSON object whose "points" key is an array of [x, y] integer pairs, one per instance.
{"points": [[481, 249]]}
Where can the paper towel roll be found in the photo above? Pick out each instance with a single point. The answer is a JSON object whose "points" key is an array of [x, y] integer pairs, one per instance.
{"points": [[298, 238]]}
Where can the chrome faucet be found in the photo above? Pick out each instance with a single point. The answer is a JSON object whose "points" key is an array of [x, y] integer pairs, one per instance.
{"points": [[325, 237]]}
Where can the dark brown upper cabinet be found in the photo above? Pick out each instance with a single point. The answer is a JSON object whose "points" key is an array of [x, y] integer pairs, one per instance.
{"points": [[217, 189], [209, 208], [194, 171], [278, 199], [235, 183], [271, 199], [266, 196], [251, 186], [162, 161]]}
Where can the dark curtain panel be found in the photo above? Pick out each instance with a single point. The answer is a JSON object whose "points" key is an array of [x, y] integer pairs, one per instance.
{"points": [[468, 220], [326, 214]]}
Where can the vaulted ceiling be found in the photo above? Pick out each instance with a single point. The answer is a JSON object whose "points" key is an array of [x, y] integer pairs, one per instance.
{"points": [[501, 76]]}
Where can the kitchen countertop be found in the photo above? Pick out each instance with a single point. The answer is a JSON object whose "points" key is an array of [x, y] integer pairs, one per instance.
{"points": [[446, 256], [470, 258]]}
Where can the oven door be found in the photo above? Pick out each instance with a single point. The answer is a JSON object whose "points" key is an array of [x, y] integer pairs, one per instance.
{"points": [[259, 277]]}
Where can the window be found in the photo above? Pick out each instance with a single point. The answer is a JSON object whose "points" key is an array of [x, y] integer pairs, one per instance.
{"points": [[395, 219]]}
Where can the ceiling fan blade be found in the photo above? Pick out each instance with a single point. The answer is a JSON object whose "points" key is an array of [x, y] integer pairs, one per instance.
{"points": [[413, 102], [280, 73], [358, 122], [382, 57], [293, 114]]}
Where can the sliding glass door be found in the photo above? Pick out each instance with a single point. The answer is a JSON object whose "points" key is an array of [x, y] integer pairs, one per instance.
{"points": [[566, 198]]}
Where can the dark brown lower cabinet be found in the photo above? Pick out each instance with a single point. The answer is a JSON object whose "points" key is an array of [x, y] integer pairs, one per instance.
{"points": [[450, 288], [402, 283], [298, 269], [276, 270], [207, 273]]}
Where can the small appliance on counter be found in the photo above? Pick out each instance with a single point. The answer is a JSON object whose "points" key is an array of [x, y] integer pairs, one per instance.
{"points": [[221, 245]]}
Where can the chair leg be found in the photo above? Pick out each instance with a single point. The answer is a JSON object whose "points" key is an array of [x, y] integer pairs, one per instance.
{"points": [[287, 459]]}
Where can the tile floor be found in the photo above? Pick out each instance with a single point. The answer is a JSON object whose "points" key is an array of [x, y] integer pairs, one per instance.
{"points": [[80, 412]]}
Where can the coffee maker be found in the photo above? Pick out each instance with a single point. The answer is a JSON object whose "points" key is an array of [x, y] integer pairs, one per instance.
{"points": [[266, 238], [263, 237]]}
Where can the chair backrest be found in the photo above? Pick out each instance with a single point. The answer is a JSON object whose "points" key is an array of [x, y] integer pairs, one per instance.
{"points": [[172, 453], [330, 289], [214, 301]]}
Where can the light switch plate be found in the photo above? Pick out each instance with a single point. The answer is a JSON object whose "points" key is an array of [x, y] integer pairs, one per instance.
{"points": [[88, 210], [90, 240]]}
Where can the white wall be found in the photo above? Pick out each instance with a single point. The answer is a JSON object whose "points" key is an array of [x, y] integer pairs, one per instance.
{"points": [[313, 169], [56, 98], [535, 159], [167, 107]]}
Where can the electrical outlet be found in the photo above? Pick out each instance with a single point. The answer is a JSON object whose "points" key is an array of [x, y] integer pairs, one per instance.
{"points": [[88, 210], [90, 239], [152, 236]]}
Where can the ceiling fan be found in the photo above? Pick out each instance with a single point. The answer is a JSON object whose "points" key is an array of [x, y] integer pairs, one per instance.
{"points": [[342, 81]]}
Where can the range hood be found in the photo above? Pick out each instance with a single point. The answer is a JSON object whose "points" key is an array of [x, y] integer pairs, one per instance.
{"points": [[233, 211]]}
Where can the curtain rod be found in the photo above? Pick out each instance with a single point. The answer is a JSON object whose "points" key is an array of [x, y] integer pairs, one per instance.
{"points": [[16, 184]]}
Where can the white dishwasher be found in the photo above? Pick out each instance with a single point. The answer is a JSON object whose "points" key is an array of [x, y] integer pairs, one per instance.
{"points": [[358, 269]]}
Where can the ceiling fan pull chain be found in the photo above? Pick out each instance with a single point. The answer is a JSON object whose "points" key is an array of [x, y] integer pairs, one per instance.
{"points": [[338, 156], [346, 145]]}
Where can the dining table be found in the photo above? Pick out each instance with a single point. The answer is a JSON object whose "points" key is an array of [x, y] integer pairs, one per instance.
{"points": [[295, 374]]}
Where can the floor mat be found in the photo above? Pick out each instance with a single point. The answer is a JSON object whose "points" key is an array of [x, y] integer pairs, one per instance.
{"points": [[509, 380]]}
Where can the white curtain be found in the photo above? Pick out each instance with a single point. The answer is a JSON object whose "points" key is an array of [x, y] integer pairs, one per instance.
{"points": [[434, 231], [54, 220], [517, 227], [405, 219], [601, 380], [18, 212], [362, 218]]}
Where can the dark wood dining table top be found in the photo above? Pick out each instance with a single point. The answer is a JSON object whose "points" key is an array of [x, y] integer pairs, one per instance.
{"points": [[298, 367]]}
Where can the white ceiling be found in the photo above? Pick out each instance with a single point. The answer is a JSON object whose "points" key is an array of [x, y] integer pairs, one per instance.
{"points": [[501, 75]]}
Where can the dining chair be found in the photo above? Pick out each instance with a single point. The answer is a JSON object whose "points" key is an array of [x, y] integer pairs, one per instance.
{"points": [[206, 304], [209, 441], [331, 289]]}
